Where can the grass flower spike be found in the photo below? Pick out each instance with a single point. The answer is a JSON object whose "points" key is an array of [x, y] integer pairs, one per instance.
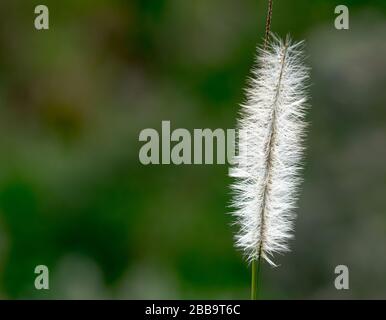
{"points": [[271, 131]]}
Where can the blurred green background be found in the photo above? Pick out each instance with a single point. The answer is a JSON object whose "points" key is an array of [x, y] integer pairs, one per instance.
{"points": [[74, 196]]}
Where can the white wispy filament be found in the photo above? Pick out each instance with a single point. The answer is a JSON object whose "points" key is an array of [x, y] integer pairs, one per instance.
{"points": [[271, 131]]}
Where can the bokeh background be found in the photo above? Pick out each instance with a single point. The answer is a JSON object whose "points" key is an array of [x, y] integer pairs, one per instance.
{"points": [[74, 196]]}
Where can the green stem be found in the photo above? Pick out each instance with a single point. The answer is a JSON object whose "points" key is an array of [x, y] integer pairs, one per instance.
{"points": [[253, 284], [256, 266]]}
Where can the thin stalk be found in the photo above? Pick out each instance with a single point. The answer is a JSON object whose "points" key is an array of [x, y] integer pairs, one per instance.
{"points": [[256, 266], [268, 23], [254, 281]]}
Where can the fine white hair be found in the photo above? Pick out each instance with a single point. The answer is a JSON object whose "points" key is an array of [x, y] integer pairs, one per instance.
{"points": [[270, 149]]}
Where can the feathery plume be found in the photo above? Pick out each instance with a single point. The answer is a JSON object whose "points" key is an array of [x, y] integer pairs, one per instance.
{"points": [[271, 132]]}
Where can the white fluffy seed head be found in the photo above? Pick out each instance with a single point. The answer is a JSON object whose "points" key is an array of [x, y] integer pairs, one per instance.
{"points": [[271, 132]]}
